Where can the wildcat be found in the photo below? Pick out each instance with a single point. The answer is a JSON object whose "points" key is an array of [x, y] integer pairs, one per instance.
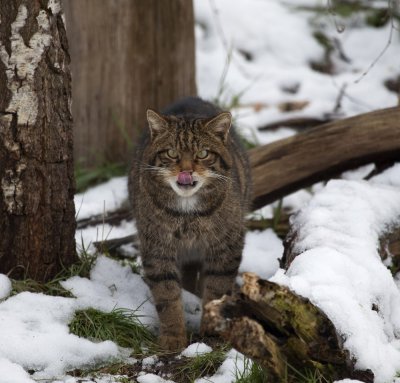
{"points": [[190, 190]]}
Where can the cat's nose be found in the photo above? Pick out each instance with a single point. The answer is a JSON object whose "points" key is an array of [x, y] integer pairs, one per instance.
{"points": [[186, 166]]}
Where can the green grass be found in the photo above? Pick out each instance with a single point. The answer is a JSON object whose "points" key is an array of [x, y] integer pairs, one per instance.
{"points": [[86, 177], [50, 288], [201, 365], [122, 326], [252, 373], [323, 40], [308, 376], [82, 267], [277, 215], [378, 18]]}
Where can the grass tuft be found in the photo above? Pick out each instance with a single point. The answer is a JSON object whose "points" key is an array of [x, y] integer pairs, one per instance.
{"points": [[81, 268], [49, 288], [252, 373], [201, 365], [122, 326], [306, 376]]}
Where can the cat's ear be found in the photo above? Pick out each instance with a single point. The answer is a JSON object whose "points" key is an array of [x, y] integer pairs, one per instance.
{"points": [[220, 125], [157, 123]]}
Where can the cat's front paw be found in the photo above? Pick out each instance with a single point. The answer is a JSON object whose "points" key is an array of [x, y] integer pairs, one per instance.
{"points": [[172, 342]]}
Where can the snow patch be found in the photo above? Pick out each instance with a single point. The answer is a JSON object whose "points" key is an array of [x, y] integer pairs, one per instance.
{"points": [[13, 373], [5, 286], [347, 381], [108, 196], [34, 334], [261, 253], [111, 286], [234, 364], [196, 349], [149, 361], [390, 176], [151, 378]]}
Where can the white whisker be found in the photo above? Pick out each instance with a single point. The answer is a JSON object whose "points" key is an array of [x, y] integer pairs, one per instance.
{"points": [[153, 168], [219, 177]]}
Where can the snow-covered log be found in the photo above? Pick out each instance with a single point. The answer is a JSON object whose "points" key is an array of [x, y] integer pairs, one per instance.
{"points": [[322, 152], [285, 333], [336, 306]]}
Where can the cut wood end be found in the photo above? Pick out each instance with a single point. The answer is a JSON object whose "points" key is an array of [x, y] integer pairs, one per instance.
{"points": [[213, 320], [251, 287]]}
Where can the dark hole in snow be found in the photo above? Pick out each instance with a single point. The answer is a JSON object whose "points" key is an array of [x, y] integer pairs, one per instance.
{"points": [[393, 84], [247, 55]]}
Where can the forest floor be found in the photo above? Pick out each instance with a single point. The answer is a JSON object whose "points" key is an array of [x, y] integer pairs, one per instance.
{"points": [[269, 62]]}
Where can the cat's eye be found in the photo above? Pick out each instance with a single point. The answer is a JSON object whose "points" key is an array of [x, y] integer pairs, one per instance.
{"points": [[202, 154], [172, 153]]}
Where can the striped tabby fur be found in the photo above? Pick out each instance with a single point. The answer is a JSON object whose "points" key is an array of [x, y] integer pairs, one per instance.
{"points": [[191, 236]]}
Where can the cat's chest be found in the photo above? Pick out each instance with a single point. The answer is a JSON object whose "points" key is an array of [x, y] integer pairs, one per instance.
{"points": [[189, 238], [187, 231]]}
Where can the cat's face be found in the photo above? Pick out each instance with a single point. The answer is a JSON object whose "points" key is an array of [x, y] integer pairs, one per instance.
{"points": [[189, 155]]}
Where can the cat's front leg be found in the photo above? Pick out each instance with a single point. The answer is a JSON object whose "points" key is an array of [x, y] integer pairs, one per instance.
{"points": [[163, 277]]}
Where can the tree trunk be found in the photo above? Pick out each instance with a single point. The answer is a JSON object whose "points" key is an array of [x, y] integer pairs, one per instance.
{"points": [[37, 213], [127, 56]]}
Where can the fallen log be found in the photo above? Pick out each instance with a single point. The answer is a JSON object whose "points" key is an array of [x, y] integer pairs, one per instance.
{"points": [[297, 123], [111, 245], [110, 218], [283, 332], [317, 154]]}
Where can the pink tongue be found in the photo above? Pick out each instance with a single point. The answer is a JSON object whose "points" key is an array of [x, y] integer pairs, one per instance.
{"points": [[185, 178]]}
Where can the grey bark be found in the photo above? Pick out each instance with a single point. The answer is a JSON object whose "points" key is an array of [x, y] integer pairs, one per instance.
{"points": [[37, 213]]}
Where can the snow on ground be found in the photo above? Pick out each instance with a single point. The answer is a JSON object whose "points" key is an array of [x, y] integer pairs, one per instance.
{"points": [[13, 373], [265, 47], [5, 286], [234, 365], [34, 335], [112, 196], [260, 258], [271, 46], [110, 286], [151, 378]]}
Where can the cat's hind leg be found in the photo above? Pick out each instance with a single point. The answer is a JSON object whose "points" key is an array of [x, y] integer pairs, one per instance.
{"points": [[220, 269]]}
